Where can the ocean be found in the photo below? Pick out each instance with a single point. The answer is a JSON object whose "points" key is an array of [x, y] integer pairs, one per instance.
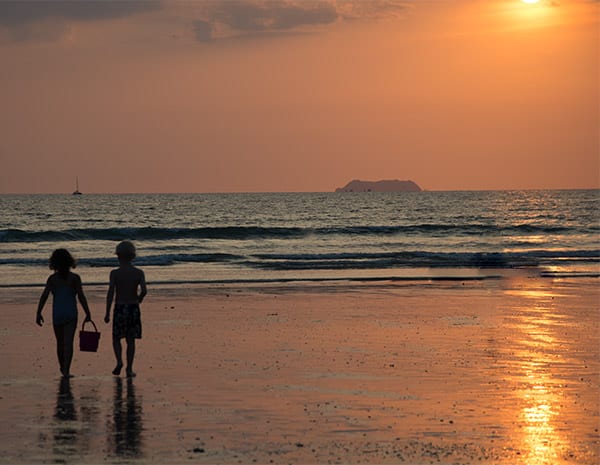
{"points": [[310, 237]]}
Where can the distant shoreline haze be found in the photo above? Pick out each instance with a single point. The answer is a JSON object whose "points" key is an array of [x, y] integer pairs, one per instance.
{"points": [[380, 186]]}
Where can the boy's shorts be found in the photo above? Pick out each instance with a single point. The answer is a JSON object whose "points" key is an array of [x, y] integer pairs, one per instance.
{"points": [[127, 321]]}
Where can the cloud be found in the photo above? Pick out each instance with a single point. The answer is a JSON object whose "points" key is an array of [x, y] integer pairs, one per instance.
{"points": [[202, 30], [14, 13], [372, 9], [258, 18], [253, 18], [47, 19], [207, 20]]}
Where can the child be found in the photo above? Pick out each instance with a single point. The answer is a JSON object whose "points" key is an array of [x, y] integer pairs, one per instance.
{"points": [[64, 286], [125, 280]]}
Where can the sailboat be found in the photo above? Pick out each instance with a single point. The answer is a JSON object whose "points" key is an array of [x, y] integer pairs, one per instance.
{"points": [[77, 192]]}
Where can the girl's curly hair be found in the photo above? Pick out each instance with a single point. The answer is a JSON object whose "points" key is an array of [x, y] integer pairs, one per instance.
{"points": [[62, 261]]}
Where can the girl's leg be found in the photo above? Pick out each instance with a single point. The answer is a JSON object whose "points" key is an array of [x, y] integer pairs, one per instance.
{"points": [[69, 337], [130, 355], [118, 355], [60, 346]]}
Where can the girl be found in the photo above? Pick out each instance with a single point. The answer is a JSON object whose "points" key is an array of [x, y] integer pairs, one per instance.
{"points": [[64, 286]]}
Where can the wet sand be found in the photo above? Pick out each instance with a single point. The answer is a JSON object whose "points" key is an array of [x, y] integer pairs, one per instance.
{"points": [[496, 372]]}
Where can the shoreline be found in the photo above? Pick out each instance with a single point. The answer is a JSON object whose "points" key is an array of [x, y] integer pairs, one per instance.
{"points": [[419, 275], [496, 371], [284, 281], [181, 275]]}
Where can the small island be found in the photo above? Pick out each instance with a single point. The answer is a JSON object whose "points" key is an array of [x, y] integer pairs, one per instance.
{"points": [[380, 186]]}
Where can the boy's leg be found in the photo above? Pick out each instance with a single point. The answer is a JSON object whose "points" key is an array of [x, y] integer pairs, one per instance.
{"points": [[130, 355], [118, 354], [69, 337], [60, 346]]}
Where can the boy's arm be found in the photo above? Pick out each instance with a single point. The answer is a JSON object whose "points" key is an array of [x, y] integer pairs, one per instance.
{"points": [[143, 290], [82, 299], [39, 319], [109, 296]]}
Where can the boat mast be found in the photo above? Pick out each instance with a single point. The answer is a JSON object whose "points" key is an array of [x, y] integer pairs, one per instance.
{"points": [[76, 186]]}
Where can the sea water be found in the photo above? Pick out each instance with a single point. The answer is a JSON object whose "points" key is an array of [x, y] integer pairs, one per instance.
{"points": [[281, 237]]}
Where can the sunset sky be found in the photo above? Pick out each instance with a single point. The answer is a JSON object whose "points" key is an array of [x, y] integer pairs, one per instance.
{"points": [[261, 96]]}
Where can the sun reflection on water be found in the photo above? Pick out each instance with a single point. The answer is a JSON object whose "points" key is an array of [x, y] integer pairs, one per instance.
{"points": [[538, 416], [540, 391]]}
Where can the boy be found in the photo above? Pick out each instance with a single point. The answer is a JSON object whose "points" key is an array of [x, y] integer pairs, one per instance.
{"points": [[126, 281]]}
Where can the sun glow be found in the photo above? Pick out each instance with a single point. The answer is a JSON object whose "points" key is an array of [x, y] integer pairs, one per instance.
{"points": [[533, 13]]}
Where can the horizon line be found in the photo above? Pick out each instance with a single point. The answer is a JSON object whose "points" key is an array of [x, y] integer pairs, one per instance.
{"points": [[530, 189]]}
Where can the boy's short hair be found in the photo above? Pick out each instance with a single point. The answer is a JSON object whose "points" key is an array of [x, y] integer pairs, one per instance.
{"points": [[126, 250]]}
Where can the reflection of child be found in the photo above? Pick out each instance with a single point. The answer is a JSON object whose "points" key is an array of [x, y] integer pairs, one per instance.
{"points": [[64, 286], [126, 281]]}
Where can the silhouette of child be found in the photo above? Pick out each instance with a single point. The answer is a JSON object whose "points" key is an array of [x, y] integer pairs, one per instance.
{"points": [[125, 281], [64, 285]]}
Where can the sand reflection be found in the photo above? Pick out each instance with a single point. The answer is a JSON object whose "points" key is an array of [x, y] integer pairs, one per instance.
{"points": [[73, 426], [536, 371], [65, 414], [540, 438], [125, 430]]}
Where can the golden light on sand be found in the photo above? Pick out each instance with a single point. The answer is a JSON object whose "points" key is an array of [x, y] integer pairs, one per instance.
{"points": [[539, 392], [540, 440]]}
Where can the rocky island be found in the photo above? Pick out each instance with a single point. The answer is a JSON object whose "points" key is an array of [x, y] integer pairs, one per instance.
{"points": [[380, 186]]}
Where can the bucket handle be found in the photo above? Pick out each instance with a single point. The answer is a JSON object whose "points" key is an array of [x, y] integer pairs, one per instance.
{"points": [[89, 321]]}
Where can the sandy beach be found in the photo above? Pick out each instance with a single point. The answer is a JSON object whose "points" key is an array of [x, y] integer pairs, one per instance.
{"points": [[498, 372]]}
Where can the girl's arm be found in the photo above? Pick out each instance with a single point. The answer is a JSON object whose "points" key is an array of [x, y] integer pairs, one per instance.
{"points": [[39, 319], [82, 298]]}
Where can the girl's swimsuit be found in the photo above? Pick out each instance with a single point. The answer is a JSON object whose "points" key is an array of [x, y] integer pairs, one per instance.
{"points": [[64, 305]]}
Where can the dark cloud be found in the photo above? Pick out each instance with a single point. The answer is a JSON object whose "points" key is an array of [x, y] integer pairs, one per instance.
{"points": [[23, 12], [49, 20], [202, 30], [207, 19], [372, 9], [252, 18]]}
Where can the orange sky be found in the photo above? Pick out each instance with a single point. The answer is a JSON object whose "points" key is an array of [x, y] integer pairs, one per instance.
{"points": [[237, 96]]}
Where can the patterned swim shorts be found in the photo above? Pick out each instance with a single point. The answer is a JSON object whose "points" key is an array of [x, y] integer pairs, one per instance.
{"points": [[127, 321]]}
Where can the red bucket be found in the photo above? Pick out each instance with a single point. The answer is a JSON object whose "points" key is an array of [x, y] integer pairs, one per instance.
{"points": [[88, 340]]}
